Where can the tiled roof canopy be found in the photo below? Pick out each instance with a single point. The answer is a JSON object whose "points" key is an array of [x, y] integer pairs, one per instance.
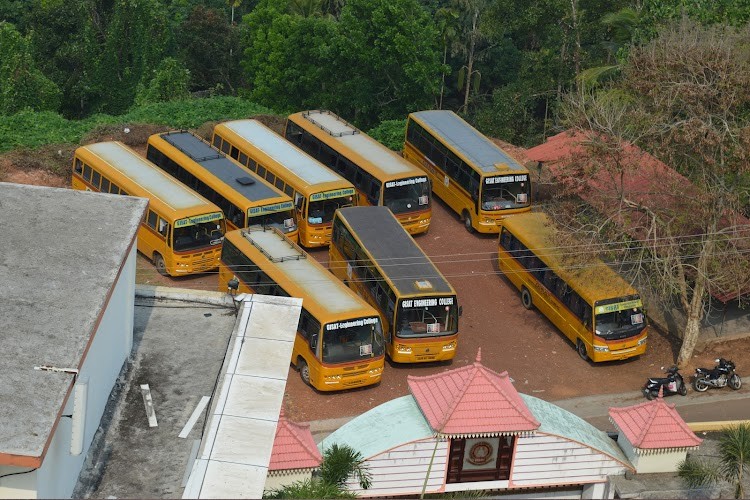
{"points": [[470, 401], [654, 425], [293, 447]]}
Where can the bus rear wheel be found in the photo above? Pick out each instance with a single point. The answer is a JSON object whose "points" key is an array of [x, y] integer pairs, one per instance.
{"points": [[526, 299], [160, 265], [467, 221], [581, 348], [304, 371]]}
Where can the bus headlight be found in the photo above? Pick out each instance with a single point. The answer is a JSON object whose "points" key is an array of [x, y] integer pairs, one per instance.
{"points": [[601, 348], [450, 346], [403, 349], [375, 372], [643, 340], [488, 220], [332, 379]]}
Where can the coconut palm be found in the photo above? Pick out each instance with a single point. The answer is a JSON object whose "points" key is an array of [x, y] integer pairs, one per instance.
{"points": [[733, 465], [340, 462]]}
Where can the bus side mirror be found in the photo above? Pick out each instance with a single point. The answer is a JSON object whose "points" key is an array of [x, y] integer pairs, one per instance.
{"points": [[314, 341], [460, 310]]}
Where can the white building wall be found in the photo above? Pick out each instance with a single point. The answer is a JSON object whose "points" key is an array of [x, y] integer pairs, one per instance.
{"points": [[275, 481], [109, 349], [546, 460], [21, 485], [663, 461], [402, 470]]}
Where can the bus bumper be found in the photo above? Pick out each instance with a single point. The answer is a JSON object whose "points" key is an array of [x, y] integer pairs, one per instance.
{"points": [[415, 227], [423, 353]]}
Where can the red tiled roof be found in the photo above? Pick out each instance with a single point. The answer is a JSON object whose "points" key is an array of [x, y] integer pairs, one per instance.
{"points": [[293, 447], [471, 400], [654, 424]]}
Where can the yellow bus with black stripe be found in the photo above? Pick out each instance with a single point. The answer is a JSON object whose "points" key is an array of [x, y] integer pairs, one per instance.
{"points": [[245, 198], [182, 231], [316, 190]]}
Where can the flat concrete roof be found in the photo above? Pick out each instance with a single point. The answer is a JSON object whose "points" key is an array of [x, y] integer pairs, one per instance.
{"points": [[217, 375], [60, 253]]}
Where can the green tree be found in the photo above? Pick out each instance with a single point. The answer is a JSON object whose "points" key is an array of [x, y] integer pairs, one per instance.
{"points": [[209, 47], [22, 84], [287, 57], [64, 35], [340, 462], [169, 82], [134, 42], [386, 61], [733, 465]]}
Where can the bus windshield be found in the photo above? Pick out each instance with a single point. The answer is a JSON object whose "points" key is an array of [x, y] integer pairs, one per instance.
{"points": [[197, 236], [407, 195], [619, 320], [504, 192], [321, 212], [283, 220], [430, 317], [353, 340]]}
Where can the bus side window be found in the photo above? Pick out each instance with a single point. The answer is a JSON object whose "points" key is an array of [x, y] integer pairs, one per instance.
{"points": [[163, 227], [244, 159], [217, 142], [234, 153], [96, 179], [105, 185], [236, 215], [225, 147], [505, 239], [152, 218], [87, 172], [78, 166]]}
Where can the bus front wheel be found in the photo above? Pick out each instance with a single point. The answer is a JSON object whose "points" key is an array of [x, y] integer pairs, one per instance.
{"points": [[526, 299], [467, 221], [304, 371], [581, 348], [160, 265]]}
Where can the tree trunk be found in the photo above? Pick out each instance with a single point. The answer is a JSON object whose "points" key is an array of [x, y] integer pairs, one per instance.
{"points": [[442, 81], [470, 62], [694, 309]]}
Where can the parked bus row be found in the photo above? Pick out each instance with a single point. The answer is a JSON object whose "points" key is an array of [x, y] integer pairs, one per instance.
{"points": [[396, 304], [253, 176]]}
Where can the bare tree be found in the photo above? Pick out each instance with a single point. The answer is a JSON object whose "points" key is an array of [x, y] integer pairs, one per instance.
{"points": [[684, 98]]}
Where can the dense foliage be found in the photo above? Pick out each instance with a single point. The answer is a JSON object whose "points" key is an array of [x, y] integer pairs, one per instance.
{"points": [[505, 64]]}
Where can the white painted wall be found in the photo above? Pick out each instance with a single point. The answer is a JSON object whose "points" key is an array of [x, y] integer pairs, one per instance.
{"points": [[543, 459], [109, 349], [18, 485], [275, 480], [666, 461], [402, 470]]}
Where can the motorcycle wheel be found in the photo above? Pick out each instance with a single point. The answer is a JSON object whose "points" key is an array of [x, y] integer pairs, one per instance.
{"points": [[700, 385], [650, 395], [683, 390], [735, 382]]}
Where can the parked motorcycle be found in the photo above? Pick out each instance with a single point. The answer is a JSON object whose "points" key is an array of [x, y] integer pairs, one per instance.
{"points": [[720, 375], [673, 383]]}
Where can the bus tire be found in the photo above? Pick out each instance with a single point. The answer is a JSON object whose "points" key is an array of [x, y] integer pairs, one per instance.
{"points": [[581, 348], [304, 371], [467, 221], [160, 265], [526, 299]]}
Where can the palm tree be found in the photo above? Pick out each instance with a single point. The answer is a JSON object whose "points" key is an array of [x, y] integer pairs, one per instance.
{"points": [[733, 465], [340, 462]]}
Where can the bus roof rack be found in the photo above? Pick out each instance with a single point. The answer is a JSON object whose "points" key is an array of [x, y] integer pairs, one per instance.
{"points": [[298, 255], [330, 132]]}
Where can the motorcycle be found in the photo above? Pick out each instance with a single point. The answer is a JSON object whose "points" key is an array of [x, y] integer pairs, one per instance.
{"points": [[720, 375], [673, 383]]}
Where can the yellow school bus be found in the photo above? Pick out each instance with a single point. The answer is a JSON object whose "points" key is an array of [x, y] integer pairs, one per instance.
{"points": [[339, 342], [597, 310], [316, 190], [380, 176], [245, 198], [373, 254], [182, 231], [471, 174]]}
